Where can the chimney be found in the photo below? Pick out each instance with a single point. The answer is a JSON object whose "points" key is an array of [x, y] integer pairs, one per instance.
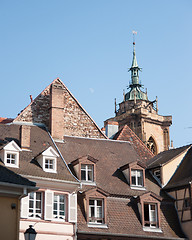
{"points": [[56, 121], [111, 127], [31, 98], [25, 132]]}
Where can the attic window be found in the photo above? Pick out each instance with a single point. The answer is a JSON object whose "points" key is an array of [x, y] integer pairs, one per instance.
{"points": [[150, 215], [157, 173], [96, 214], [87, 172], [48, 160], [11, 158], [11, 154], [137, 177], [49, 164]]}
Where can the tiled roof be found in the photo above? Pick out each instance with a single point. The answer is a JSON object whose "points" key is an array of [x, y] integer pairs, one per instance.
{"points": [[126, 134], [8, 176], [183, 174], [123, 218], [40, 141], [122, 211], [5, 120], [165, 156], [111, 155]]}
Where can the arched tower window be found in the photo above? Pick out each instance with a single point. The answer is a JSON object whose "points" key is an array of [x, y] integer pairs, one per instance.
{"points": [[152, 145]]}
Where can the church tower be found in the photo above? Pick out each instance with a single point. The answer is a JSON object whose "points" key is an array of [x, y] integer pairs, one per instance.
{"points": [[140, 114]]}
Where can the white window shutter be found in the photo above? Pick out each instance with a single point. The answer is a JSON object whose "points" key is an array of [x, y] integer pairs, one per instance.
{"points": [[72, 210], [25, 207], [48, 205]]}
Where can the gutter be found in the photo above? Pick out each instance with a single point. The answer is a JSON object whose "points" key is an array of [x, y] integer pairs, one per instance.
{"points": [[128, 235]]}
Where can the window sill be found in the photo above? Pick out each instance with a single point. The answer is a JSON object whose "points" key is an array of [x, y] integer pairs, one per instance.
{"points": [[11, 165], [150, 229], [88, 183], [138, 188], [97, 225]]}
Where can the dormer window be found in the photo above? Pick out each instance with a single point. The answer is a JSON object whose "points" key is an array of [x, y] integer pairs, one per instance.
{"points": [[48, 160], [87, 172], [11, 158], [85, 169], [149, 207], [10, 154], [137, 177], [135, 174], [96, 214], [150, 215], [49, 163]]}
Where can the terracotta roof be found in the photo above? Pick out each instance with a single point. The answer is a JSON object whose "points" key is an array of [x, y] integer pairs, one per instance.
{"points": [[165, 156], [6, 120], [40, 141], [123, 218], [111, 155], [8, 176], [183, 174], [126, 134]]}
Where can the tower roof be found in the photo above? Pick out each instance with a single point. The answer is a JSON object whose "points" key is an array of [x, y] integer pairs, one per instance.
{"points": [[134, 62], [135, 91]]}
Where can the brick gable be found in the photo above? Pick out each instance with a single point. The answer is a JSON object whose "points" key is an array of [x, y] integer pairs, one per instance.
{"points": [[46, 109]]}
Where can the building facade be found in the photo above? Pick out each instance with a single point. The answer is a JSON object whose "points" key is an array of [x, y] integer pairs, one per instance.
{"points": [[89, 187]]}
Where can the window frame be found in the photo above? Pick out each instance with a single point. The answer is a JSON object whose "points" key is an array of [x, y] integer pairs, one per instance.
{"points": [[86, 172], [137, 177], [95, 207], [58, 207], [150, 222], [34, 204], [54, 170], [16, 154]]}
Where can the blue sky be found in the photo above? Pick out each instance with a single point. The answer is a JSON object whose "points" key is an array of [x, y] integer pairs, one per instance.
{"points": [[88, 45]]}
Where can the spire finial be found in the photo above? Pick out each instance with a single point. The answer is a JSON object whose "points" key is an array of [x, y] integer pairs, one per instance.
{"points": [[134, 33]]}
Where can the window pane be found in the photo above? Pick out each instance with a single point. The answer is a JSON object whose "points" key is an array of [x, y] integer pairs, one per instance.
{"points": [[59, 206], [83, 175], [133, 180], [90, 176], [146, 212]]}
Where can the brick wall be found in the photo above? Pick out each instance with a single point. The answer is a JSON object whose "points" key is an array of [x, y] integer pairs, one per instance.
{"points": [[44, 109]]}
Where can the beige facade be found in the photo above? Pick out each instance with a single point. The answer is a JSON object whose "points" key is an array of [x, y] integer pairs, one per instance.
{"points": [[169, 168], [10, 221]]}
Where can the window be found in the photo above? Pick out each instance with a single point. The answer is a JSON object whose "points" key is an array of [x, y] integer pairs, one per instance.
{"points": [[49, 164], [11, 154], [11, 158], [157, 174], [35, 205], [137, 177], [87, 173], [150, 215], [59, 207], [96, 214]]}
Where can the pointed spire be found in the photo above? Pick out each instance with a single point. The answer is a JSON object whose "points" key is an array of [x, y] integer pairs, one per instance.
{"points": [[134, 62], [135, 91]]}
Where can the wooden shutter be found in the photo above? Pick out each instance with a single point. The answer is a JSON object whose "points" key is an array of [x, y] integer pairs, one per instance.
{"points": [[72, 207], [25, 207], [48, 205]]}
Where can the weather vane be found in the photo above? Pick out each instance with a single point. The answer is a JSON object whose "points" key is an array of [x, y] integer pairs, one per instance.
{"points": [[134, 33]]}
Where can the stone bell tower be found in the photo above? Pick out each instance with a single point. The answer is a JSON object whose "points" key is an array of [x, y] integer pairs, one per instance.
{"points": [[140, 114]]}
